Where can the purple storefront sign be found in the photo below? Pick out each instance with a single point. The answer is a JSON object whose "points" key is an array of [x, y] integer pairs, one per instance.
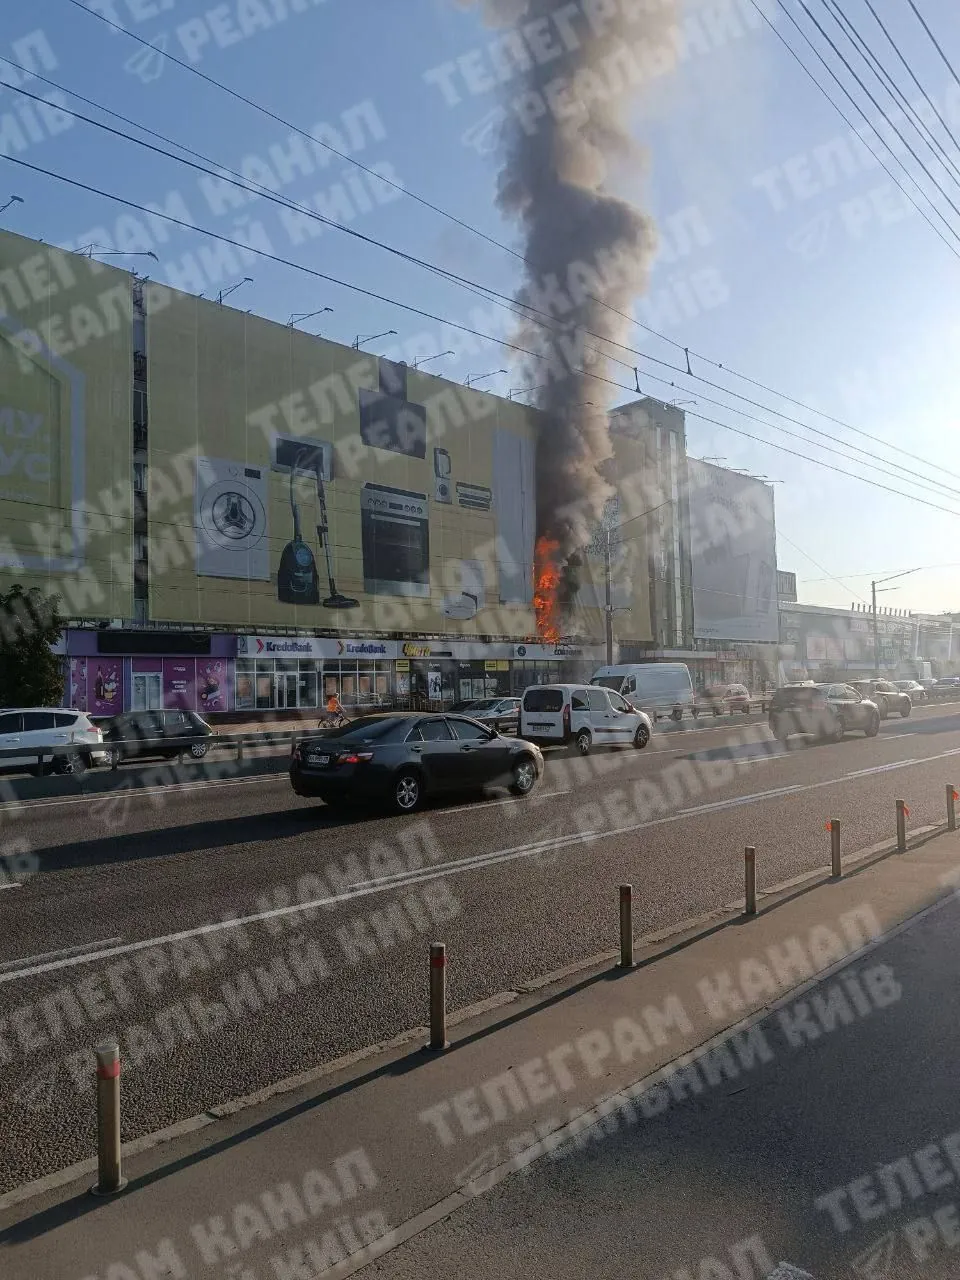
{"points": [[180, 683], [104, 686]]}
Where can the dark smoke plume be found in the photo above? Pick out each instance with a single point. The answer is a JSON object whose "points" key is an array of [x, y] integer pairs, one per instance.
{"points": [[583, 247]]}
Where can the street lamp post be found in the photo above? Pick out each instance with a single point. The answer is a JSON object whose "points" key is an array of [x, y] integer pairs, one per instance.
{"points": [[225, 293], [299, 316], [371, 337], [426, 359], [873, 611], [471, 381], [608, 577]]}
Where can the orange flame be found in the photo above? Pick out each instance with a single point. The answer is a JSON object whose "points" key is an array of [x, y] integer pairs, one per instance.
{"points": [[546, 583]]}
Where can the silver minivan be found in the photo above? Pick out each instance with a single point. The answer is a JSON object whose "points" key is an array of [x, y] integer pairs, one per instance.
{"points": [[74, 738], [585, 715]]}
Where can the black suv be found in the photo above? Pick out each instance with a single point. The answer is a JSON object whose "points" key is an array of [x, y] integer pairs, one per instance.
{"points": [[143, 733], [825, 711], [886, 695]]}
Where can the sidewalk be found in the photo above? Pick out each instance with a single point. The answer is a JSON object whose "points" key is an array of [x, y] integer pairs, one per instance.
{"points": [[373, 1151]]}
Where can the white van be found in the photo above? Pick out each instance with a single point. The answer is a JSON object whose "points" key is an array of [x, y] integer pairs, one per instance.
{"points": [[551, 714], [660, 688]]}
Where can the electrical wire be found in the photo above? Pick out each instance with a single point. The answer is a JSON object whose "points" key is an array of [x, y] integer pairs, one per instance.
{"points": [[404, 306], [934, 41], [921, 481], [891, 87], [476, 231]]}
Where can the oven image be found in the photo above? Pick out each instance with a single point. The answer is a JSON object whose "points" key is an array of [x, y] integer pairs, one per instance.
{"points": [[395, 534]]}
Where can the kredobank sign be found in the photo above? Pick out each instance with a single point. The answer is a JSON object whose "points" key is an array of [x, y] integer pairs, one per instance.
{"points": [[313, 647]]}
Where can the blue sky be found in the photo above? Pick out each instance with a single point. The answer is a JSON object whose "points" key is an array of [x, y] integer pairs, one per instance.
{"points": [[826, 286]]}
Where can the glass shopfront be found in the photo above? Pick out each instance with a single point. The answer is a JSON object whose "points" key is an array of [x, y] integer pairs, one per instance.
{"points": [[288, 684]]}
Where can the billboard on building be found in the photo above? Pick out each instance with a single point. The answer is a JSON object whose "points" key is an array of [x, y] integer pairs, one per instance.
{"points": [[66, 378], [293, 482], [733, 555]]}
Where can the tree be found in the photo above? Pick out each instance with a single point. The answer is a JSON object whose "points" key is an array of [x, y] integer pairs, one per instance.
{"points": [[30, 622]]}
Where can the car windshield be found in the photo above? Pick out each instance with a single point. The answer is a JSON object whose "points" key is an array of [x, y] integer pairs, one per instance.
{"points": [[485, 704]]}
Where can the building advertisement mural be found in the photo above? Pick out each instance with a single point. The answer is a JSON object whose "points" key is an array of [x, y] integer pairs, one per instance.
{"points": [[734, 555], [297, 483], [66, 373]]}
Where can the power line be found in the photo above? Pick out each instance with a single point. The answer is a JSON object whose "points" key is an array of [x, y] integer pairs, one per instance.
{"points": [[934, 41], [404, 306], [512, 303], [847, 121], [802, 3], [850, 30], [239, 181]]}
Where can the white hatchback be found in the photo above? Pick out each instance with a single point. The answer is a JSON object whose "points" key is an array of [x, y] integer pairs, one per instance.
{"points": [[71, 735], [586, 715]]}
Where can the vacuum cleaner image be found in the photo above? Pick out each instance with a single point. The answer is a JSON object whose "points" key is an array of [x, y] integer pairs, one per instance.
{"points": [[298, 581]]}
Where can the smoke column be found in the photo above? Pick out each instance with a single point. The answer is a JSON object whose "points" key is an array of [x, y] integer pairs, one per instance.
{"points": [[583, 247]]}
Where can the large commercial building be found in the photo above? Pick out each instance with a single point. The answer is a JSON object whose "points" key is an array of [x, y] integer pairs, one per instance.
{"points": [[243, 518]]}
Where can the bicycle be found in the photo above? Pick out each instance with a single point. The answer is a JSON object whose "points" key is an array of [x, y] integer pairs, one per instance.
{"points": [[334, 720]]}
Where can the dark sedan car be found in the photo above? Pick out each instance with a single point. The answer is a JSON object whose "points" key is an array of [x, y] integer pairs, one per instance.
{"points": [[403, 758], [156, 733], [886, 695], [825, 711]]}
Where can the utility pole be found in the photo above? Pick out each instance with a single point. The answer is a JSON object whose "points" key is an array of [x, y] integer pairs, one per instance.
{"points": [[876, 642], [608, 605]]}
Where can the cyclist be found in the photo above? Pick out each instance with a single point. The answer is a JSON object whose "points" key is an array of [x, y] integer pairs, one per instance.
{"points": [[335, 712]]}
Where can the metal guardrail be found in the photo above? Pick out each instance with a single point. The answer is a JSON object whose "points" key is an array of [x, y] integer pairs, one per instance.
{"points": [[135, 748]]}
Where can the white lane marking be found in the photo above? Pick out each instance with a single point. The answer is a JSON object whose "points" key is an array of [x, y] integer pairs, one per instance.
{"points": [[881, 768], [364, 888], [56, 955], [489, 804], [14, 884], [733, 801]]}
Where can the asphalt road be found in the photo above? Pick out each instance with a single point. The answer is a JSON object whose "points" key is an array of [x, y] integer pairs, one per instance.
{"points": [[120, 924], [831, 1157]]}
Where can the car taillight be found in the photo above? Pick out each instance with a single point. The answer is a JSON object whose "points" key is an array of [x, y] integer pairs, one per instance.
{"points": [[295, 752], [357, 757], [566, 715]]}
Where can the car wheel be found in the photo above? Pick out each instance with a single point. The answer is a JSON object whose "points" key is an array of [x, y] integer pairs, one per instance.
{"points": [[839, 731], [883, 708], [583, 742], [524, 777], [71, 764], [113, 757], [641, 737], [873, 728], [407, 791], [781, 730], [677, 714], [905, 709], [198, 750]]}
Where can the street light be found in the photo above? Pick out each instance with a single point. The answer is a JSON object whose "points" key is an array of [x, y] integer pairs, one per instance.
{"points": [[297, 316], [873, 609], [440, 354], [225, 293], [90, 249], [12, 200], [471, 381], [371, 337], [518, 391], [608, 585]]}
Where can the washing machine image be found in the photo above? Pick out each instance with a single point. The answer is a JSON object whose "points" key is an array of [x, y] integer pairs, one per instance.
{"points": [[230, 513]]}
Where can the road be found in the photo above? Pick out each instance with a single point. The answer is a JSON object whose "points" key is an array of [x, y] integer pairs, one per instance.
{"points": [[122, 926], [841, 1158]]}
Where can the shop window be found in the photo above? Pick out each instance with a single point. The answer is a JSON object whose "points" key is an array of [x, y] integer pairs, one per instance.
{"points": [[307, 692], [264, 692]]}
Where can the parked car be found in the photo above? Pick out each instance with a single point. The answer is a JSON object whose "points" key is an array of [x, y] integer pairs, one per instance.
{"points": [[946, 685], [584, 715], [498, 713], [76, 740], [402, 758], [913, 689], [459, 708], [724, 699], [886, 695], [825, 711], [163, 734]]}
